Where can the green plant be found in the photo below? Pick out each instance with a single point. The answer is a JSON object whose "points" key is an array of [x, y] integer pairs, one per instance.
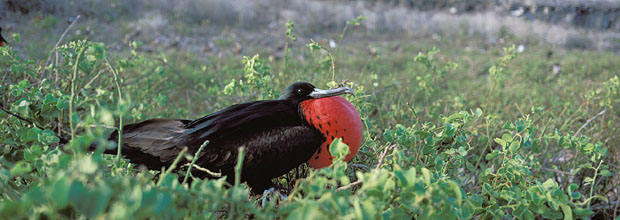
{"points": [[439, 141]]}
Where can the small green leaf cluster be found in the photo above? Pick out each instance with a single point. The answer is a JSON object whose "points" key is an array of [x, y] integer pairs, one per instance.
{"points": [[257, 79]]}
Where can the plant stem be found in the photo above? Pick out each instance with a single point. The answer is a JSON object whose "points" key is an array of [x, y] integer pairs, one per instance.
{"points": [[120, 102], [71, 100], [488, 144], [172, 166], [486, 106], [594, 181], [344, 31], [285, 57], [333, 67], [194, 160], [239, 165]]}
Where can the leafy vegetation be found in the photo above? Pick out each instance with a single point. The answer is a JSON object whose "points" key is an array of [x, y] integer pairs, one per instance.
{"points": [[449, 133]]}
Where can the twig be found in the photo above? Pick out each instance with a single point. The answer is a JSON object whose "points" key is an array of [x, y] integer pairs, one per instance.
{"points": [[214, 174], [557, 171], [357, 182], [61, 140], [49, 58], [588, 122], [138, 79], [93, 79], [189, 169], [156, 85], [101, 125], [383, 155], [21, 118], [381, 159], [359, 166]]}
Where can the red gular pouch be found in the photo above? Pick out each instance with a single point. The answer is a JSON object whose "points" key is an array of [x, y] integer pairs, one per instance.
{"points": [[335, 117]]}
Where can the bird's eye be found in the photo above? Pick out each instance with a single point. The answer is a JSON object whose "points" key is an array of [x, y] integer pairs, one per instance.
{"points": [[300, 91]]}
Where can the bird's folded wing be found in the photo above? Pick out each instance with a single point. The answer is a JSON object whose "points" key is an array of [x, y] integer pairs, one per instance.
{"points": [[242, 119]]}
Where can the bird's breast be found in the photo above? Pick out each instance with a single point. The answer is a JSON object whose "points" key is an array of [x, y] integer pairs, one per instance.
{"points": [[334, 117]]}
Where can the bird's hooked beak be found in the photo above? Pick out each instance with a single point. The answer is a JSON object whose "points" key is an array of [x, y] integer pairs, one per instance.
{"points": [[320, 93]]}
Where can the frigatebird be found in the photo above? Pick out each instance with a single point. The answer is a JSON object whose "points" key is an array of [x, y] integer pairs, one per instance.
{"points": [[2, 40], [278, 135]]}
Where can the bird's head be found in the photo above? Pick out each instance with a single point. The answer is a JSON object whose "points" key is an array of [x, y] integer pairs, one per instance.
{"points": [[301, 91]]}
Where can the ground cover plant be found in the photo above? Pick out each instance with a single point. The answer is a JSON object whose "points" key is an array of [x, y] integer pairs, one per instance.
{"points": [[449, 133]]}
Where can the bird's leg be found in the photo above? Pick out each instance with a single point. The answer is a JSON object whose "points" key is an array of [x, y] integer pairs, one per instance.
{"points": [[270, 193]]}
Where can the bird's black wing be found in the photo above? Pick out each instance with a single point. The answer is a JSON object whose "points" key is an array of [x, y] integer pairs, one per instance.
{"points": [[241, 120]]}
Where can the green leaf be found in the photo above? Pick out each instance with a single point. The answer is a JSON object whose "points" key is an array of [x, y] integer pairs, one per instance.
{"points": [[313, 46], [501, 142], [514, 146], [90, 203], [20, 168], [339, 149], [86, 165], [388, 136], [605, 173], [407, 177], [23, 108], [62, 104], [581, 212], [568, 213], [492, 155], [50, 99], [77, 191], [478, 112], [47, 137], [462, 151], [454, 117], [99, 201], [60, 192], [507, 137], [549, 184], [522, 212]]}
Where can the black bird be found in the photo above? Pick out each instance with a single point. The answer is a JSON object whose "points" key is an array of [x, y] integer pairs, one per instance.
{"points": [[278, 135], [2, 40]]}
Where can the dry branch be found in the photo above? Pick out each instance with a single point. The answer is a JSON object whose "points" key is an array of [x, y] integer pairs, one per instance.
{"points": [[49, 58], [381, 160], [588, 122]]}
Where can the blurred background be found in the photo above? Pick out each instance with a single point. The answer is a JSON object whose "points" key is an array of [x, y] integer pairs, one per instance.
{"points": [[217, 27]]}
